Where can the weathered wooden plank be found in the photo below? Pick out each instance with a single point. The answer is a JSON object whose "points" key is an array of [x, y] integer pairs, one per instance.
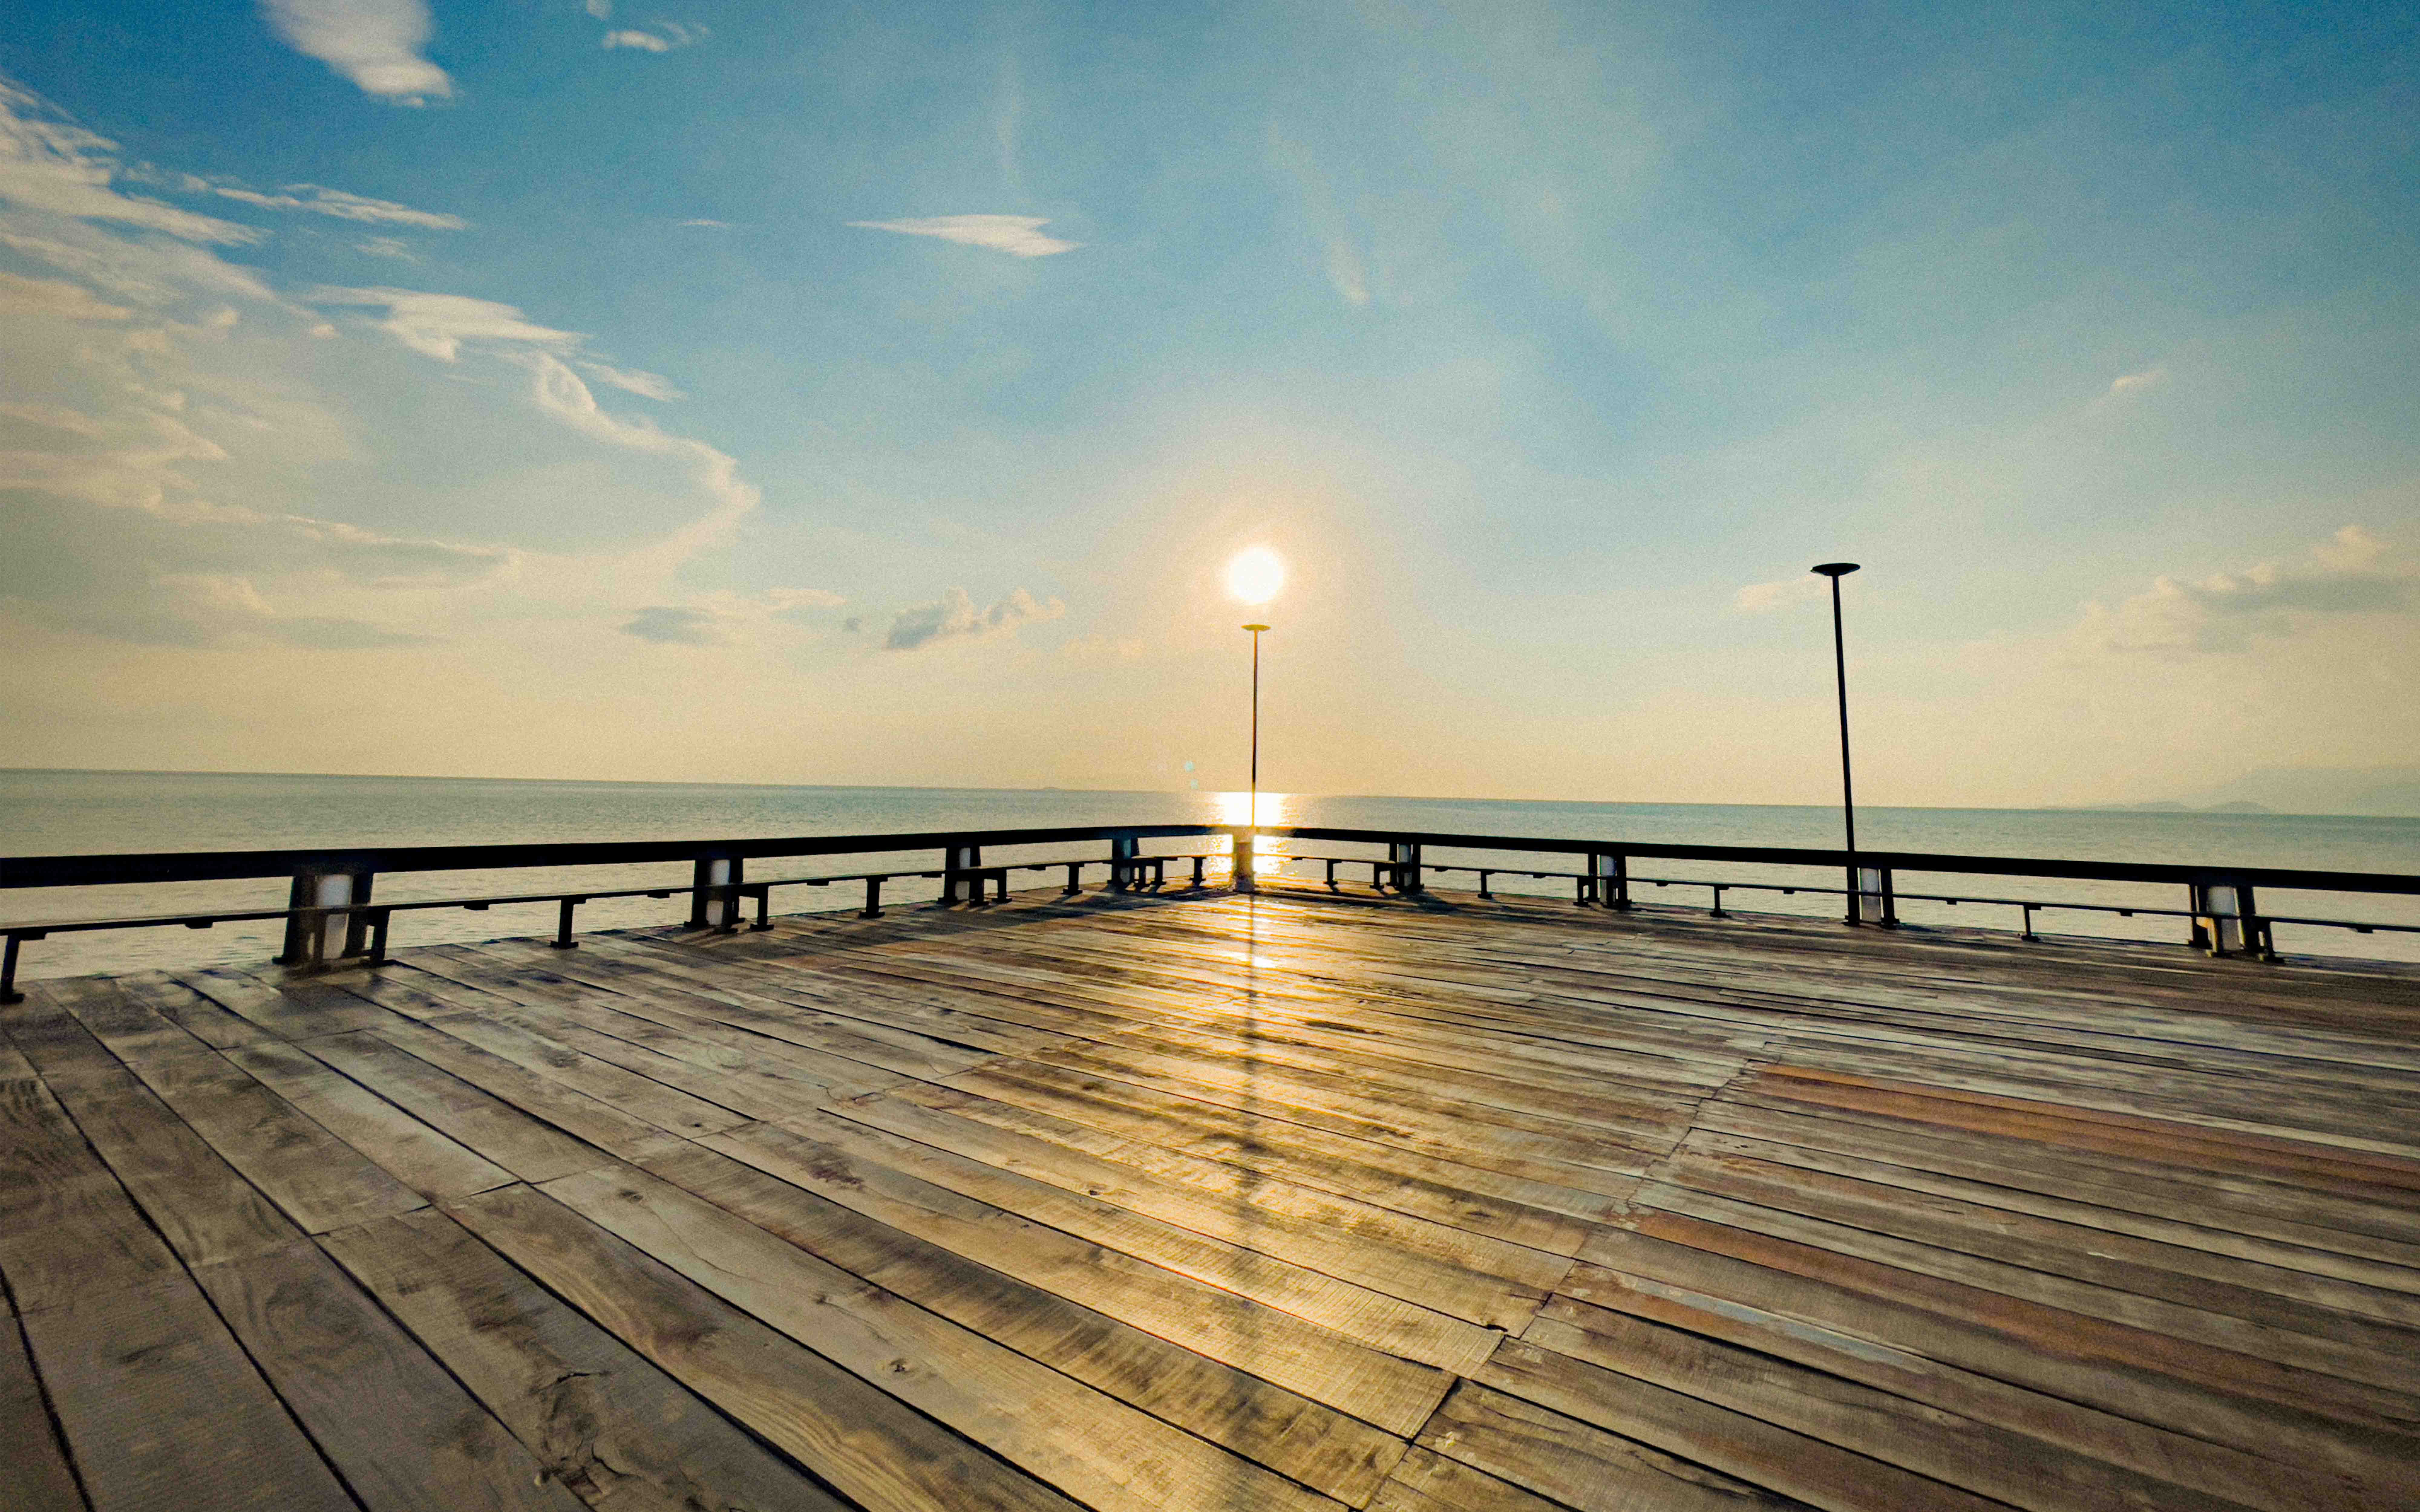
{"points": [[162, 1410], [1841, 1334], [1577, 1463], [401, 1432], [754, 1091], [1920, 1438], [48, 1036], [2225, 1352], [291, 1012], [568, 1109], [189, 1011], [873, 1449], [1087, 1444], [603, 1422], [206, 1212], [1518, 1265], [1426, 1481], [1324, 1449], [1375, 1319], [412, 1151], [1369, 1247], [33, 1462], [2123, 1371], [1738, 1443], [66, 1228], [831, 1008], [2222, 1204], [317, 1179], [1555, 1220], [667, 1108], [2347, 1283], [1320, 1364], [867, 1055], [495, 1129], [2370, 1177]]}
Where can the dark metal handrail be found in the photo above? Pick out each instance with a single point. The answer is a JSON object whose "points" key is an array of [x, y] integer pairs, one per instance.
{"points": [[331, 885]]}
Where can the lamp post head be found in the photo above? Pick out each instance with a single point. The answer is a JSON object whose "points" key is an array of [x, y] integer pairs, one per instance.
{"points": [[1256, 628], [1834, 570]]}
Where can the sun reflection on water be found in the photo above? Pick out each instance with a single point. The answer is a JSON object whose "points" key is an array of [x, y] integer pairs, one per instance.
{"points": [[1272, 809]]}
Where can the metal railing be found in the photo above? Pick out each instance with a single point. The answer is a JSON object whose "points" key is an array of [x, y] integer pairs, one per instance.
{"points": [[331, 915]]}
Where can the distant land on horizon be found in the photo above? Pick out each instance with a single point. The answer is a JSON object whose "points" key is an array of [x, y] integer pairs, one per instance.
{"points": [[2354, 792]]}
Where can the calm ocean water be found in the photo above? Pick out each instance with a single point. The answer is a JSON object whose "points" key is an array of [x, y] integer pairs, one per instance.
{"points": [[76, 813]]}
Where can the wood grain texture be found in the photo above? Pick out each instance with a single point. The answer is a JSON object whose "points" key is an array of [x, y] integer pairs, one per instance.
{"points": [[33, 1461]]}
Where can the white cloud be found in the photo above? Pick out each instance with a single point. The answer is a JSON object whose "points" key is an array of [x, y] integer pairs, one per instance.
{"points": [[2350, 573], [725, 619], [1762, 598], [145, 380], [337, 203], [1019, 236], [631, 380], [2142, 382], [54, 295], [602, 9], [436, 325], [559, 393], [55, 168], [667, 35], [375, 43], [718, 225], [954, 616], [394, 247]]}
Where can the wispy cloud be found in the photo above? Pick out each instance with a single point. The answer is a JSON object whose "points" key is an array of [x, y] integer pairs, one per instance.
{"points": [[54, 295], [631, 380], [2142, 382], [718, 225], [1762, 598], [954, 616], [725, 619], [334, 202], [56, 168], [667, 35], [394, 247], [436, 325], [1019, 236], [375, 43], [2350, 573]]}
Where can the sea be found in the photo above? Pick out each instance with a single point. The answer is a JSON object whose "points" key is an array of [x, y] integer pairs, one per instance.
{"points": [[57, 812]]}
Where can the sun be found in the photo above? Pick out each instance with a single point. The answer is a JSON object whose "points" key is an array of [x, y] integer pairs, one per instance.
{"points": [[1255, 575]]}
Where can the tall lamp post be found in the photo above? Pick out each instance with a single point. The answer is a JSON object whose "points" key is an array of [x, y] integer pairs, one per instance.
{"points": [[1836, 571], [1253, 577]]}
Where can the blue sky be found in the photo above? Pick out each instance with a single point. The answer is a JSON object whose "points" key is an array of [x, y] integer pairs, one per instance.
{"points": [[863, 394]]}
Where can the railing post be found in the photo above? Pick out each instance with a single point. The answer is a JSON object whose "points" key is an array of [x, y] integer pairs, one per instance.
{"points": [[958, 863], [1871, 898], [312, 938], [1123, 851], [1405, 856], [2226, 919], [714, 893], [8, 992], [1611, 874]]}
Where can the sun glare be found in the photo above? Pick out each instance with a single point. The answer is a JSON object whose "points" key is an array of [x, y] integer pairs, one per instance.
{"points": [[1255, 575]]}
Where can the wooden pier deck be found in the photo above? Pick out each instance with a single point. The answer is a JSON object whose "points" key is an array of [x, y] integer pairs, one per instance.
{"points": [[1219, 1203]]}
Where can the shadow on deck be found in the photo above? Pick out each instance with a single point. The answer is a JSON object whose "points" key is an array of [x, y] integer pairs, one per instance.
{"points": [[1209, 1202]]}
